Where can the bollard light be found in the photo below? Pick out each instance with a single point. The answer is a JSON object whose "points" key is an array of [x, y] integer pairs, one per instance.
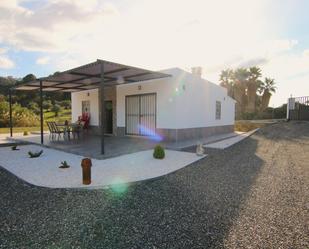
{"points": [[86, 166]]}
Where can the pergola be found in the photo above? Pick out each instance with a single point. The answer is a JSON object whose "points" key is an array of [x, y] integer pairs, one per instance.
{"points": [[98, 74]]}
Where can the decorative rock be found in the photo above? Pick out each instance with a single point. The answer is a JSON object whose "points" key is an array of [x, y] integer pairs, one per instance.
{"points": [[200, 151]]}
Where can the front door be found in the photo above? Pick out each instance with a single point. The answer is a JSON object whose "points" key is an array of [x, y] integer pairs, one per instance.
{"points": [[141, 114], [108, 117]]}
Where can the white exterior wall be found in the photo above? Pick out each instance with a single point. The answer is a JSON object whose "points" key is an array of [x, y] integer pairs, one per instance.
{"points": [[78, 97], [178, 107], [166, 110], [197, 103]]}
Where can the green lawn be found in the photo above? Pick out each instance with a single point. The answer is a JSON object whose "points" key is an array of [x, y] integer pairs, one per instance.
{"points": [[48, 116]]}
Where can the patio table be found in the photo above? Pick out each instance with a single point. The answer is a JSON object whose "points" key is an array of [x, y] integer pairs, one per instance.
{"points": [[67, 129]]}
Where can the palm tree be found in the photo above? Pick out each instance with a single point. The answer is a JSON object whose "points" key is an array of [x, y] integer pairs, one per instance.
{"points": [[226, 81], [267, 88], [240, 77], [252, 87]]}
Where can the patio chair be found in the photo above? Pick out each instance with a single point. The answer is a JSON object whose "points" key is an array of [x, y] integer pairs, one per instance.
{"points": [[56, 129], [84, 120], [51, 131], [76, 131]]}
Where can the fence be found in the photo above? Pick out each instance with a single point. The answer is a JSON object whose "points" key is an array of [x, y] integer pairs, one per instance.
{"points": [[298, 108]]}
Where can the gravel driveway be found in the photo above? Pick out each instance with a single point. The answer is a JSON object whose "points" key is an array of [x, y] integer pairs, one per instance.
{"points": [[252, 195]]}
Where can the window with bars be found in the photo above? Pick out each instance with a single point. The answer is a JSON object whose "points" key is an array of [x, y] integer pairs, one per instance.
{"points": [[218, 109]]}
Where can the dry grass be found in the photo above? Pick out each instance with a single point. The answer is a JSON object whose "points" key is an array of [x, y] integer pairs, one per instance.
{"points": [[246, 126]]}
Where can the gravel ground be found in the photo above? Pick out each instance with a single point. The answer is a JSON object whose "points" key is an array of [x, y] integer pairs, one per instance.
{"points": [[252, 195]]}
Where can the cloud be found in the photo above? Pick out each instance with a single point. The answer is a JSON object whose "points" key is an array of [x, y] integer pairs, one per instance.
{"points": [[43, 60], [306, 52], [51, 26], [6, 63], [145, 34], [3, 50], [253, 62]]}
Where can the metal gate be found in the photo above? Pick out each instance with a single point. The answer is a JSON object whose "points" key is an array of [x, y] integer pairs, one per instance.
{"points": [[298, 108], [141, 114]]}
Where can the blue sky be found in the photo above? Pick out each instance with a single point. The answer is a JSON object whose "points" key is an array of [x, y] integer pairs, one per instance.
{"points": [[44, 36]]}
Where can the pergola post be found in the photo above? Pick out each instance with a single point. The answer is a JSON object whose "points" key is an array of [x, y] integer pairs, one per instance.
{"points": [[41, 112], [102, 109], [11, 118]]}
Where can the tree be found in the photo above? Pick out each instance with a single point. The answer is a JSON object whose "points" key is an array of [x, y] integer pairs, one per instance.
{"points": [[267, 88], [240, 77], [243, 85], [56, 109], [28, 78], [252, 87], [34, 107], [47, 105], [66, 104], [226, 81]]}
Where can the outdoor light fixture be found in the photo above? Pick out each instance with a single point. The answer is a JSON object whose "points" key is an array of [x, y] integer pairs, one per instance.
{"points": [[120, 79], [139, 87], [88, 94]]}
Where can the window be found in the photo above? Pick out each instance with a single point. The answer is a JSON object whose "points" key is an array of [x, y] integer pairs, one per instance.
{"points": [[218, 109]]}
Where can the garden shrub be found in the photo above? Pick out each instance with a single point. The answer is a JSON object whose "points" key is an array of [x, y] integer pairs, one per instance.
{"points": [[26, 133], [22, 117], [159, 152]]}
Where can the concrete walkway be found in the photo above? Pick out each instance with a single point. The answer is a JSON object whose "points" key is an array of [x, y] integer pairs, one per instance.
{"points": [[223, 144], [44, 171]]}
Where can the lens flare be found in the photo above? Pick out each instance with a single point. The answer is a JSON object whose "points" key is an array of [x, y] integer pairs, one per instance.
{"points": [[151, 134], [119, 186]]}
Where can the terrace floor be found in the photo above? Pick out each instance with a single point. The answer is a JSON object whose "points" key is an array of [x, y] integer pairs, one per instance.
{"points": [[90, 145]]}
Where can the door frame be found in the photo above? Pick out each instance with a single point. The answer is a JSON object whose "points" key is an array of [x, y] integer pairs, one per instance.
{"points": [[125, 115]]}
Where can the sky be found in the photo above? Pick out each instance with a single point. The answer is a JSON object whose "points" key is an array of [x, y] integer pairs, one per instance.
{"points": [[44, 36]]}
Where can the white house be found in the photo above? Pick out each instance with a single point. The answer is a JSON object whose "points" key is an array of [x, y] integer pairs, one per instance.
{"points": [[174, 108]]}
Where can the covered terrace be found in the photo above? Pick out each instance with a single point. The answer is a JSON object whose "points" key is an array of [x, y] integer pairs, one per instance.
{"points": [[96, 75]]}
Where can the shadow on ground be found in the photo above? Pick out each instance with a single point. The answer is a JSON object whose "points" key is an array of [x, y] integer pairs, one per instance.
{"points": [[283, 130], [192, 208]]}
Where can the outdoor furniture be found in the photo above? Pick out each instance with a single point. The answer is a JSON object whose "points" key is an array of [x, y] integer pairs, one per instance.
{"points": [[54, 131], [51, 131], [67, 129], [76, 131], [84, 120], [57, 131]]}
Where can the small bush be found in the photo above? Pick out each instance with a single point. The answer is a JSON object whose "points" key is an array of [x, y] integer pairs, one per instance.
{"points": [[159, 152], [26, 133], [35, 154]]}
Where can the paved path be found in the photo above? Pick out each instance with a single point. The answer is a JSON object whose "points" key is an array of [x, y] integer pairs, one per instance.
{"points": [[223, 144], [252, 195], [44, 171]]}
